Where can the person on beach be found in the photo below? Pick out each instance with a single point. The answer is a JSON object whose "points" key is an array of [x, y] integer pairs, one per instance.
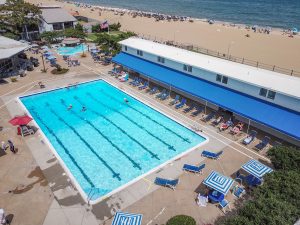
{"points": [[70, 107], [11, 146]]}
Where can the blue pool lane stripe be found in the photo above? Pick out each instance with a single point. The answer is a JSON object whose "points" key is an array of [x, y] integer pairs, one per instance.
{"points": [[145, 115], [86, 177], [135, 164], [115, 174], [123, 131], [128, 118]]}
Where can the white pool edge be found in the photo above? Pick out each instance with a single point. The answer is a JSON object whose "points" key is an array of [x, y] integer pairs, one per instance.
{"points": [[73, 179]]}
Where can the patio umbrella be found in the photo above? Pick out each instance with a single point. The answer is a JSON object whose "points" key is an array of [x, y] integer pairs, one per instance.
{"points": [[218, 182], [20, 120], [127, 219], [256, 168]]}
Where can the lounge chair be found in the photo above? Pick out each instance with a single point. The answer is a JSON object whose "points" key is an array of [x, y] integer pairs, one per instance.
{"points": [[24, 131], [238, 191], [265, 141], [146, 84], [251, 137], [202, 200], [225, 126], [133, 81], [211, 155], [198, 111], [165, 96], [218, 120], [138, 82], [192, 168], [175, 100], [209, 116], [181, 104], [166, 182], [153, 90], [190, 108], [237, 128], [161, 93], [224, 204]]}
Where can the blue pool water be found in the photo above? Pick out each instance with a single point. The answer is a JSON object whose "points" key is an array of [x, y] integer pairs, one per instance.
{"points": [[110, 143], [72, 50]]}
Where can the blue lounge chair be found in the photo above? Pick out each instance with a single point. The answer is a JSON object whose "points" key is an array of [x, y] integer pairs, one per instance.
{"points": [[181, 104], [190, 108], [209, 116], [194, 169], [238, 191], [251, 137], [211, 155], [175, 100], [224, 204], [265, 141], [167, 183], [138, 82], [198, 111], [153, 90], [133, 81], [146, 84], [165, 96], [161, 93]]}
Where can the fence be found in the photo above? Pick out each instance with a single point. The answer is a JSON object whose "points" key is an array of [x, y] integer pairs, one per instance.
{"points": [[221, 55]]}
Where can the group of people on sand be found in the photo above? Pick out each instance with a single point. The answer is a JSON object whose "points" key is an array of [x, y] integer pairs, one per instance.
{"points": [[10, 145]]}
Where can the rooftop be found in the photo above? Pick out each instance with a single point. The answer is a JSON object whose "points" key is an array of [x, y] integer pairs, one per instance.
{"points": [[10, 47], [278, 82], [54, 14]]}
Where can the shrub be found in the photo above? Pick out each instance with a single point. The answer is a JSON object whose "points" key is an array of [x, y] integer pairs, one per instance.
{"points": [[59, 70], [285, 158], [83, 55], [181, 220], [13, 79]]}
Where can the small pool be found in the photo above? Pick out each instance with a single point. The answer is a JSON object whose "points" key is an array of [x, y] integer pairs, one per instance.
{"points": [[112, 142], [72, 50]]}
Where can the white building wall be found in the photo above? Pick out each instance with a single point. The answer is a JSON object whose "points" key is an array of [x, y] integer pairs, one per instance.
{"points": [[280, 99]]}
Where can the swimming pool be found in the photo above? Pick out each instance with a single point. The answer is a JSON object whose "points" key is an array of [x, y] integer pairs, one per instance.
{"points": [[72, 50], [112, 142]]}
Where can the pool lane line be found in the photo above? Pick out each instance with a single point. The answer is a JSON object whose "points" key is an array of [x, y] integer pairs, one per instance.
{"points": [[123, 131], [35, 114], [136, 165], [148, 117], [171, 147], [115, 175]]}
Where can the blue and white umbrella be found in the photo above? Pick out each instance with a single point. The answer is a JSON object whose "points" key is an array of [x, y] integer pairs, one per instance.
{"points": [[127, 219], [256, 168], [218, 182]]}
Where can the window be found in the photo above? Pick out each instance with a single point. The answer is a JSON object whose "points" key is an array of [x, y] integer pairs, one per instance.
{"points": [[224, 80], [139, 52], [218, 78], [57, 26], [161, 59], [125, 47], [188, 68], [271, 94], [263, 92]]}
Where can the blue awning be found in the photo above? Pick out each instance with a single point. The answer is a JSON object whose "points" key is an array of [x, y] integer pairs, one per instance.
{"points": [[256, 168], [271, 115], [218, 182]]}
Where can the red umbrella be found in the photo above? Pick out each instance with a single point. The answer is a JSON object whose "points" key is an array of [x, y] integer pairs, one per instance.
{"points": [[20, 120]]}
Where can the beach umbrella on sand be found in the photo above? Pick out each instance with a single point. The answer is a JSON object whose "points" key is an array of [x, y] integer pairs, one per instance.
{"points": [[20, 120], [295, 30]]}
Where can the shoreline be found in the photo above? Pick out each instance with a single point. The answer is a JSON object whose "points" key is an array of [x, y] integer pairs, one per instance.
{"points": [[275, 48]]}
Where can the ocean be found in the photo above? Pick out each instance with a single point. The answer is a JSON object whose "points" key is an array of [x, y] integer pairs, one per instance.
{"points": [[274, 13]]}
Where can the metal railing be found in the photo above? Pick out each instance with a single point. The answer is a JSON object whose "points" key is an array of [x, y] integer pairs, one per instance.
{"points": [[222, 55]]}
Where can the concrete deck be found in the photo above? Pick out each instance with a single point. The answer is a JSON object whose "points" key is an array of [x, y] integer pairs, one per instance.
{"points": [[44, 194]]}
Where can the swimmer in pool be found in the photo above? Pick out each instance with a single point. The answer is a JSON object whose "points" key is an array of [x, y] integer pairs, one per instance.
{"points": [[83, 109], [125, 100], [70, 107]]}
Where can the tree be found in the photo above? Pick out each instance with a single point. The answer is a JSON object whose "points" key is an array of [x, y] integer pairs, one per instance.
{"points": [[51, 36], [115, 26], [76, 33], [285, 158], [16, 14]]}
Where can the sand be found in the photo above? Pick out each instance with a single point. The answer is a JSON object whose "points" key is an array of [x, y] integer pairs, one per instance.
{"points": [[274, 49]]}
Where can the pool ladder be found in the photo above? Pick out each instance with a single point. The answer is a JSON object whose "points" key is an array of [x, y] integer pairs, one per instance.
{"points": [[91, 194]]}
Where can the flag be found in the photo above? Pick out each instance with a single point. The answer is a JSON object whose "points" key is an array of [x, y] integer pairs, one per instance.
{"points": [[104, 25]]}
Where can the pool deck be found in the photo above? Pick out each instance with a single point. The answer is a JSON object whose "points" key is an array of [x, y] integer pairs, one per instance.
{"points": [[42, 193]]}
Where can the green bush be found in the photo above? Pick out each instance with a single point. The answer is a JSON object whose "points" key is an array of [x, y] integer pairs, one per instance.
{"points": [[285, 158], [13, 79], [181, 220]]}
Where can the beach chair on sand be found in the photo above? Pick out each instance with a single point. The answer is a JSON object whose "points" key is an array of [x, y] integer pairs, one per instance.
{"points": [[199, 110], [265, 141], [153, 90], [166, 182], [175, 100], [224, 204], [181, 104], [251, 137], [211, 155], [192, 168], [238, 191]]}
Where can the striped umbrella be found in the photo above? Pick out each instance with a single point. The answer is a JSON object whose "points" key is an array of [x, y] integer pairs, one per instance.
{"points": [[127, 219], [218, 182], [256, 168]]}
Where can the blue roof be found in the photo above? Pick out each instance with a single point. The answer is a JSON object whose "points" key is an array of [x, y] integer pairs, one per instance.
{"points": [[274, 116], [127, 219], [218, 182], [256, 168]]}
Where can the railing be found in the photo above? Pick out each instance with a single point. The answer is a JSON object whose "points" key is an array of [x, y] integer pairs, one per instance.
{"points": [[222, 55]]}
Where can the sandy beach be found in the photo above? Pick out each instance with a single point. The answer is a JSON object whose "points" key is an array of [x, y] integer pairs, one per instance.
{"points": [[275, 48]]}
